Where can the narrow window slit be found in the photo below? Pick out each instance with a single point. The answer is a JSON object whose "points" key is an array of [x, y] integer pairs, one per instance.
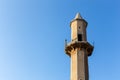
{"points": [[79, 37]]}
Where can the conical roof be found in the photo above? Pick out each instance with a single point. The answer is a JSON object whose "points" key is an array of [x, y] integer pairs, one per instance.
{"points": [[78, 16]]}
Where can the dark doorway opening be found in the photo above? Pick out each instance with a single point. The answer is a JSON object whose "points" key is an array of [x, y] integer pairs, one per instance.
{"points": [[79, 37]]}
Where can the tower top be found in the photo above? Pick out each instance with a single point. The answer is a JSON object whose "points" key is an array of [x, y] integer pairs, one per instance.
{"points": [[78, 16]]}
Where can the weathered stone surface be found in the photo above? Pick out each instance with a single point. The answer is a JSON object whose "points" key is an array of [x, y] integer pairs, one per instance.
{"points": [[79, 49]]}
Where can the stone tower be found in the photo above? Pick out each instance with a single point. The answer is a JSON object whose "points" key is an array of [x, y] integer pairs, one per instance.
{"points": [[79, 49]]}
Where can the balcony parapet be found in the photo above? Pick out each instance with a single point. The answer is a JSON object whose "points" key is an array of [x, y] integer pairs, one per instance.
{"points": [[78, 44]]}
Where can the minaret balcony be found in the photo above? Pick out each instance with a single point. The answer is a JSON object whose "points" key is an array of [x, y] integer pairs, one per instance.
{"points": [[79, 45]]}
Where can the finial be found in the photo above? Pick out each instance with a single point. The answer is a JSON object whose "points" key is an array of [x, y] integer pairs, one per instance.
{"points": [[78, 16]]}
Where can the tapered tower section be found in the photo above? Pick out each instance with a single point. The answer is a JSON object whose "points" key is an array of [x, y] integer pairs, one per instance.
{"points": [[79, 49]]}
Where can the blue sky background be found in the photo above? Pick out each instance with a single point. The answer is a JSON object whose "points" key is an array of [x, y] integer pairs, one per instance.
{"points": [[32, 34]]}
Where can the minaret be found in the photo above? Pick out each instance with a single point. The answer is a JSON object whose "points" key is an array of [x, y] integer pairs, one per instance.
{"points": [[79, 49]]}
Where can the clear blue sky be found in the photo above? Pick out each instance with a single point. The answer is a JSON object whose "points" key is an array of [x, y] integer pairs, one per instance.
{"points": [[32, 34]]}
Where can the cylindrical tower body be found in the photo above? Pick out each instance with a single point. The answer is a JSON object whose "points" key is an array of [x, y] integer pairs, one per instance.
{"points": [[79, 64]]}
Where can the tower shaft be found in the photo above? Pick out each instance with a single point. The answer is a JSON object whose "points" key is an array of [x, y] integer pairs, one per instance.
{"points": [[79, 64]]}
